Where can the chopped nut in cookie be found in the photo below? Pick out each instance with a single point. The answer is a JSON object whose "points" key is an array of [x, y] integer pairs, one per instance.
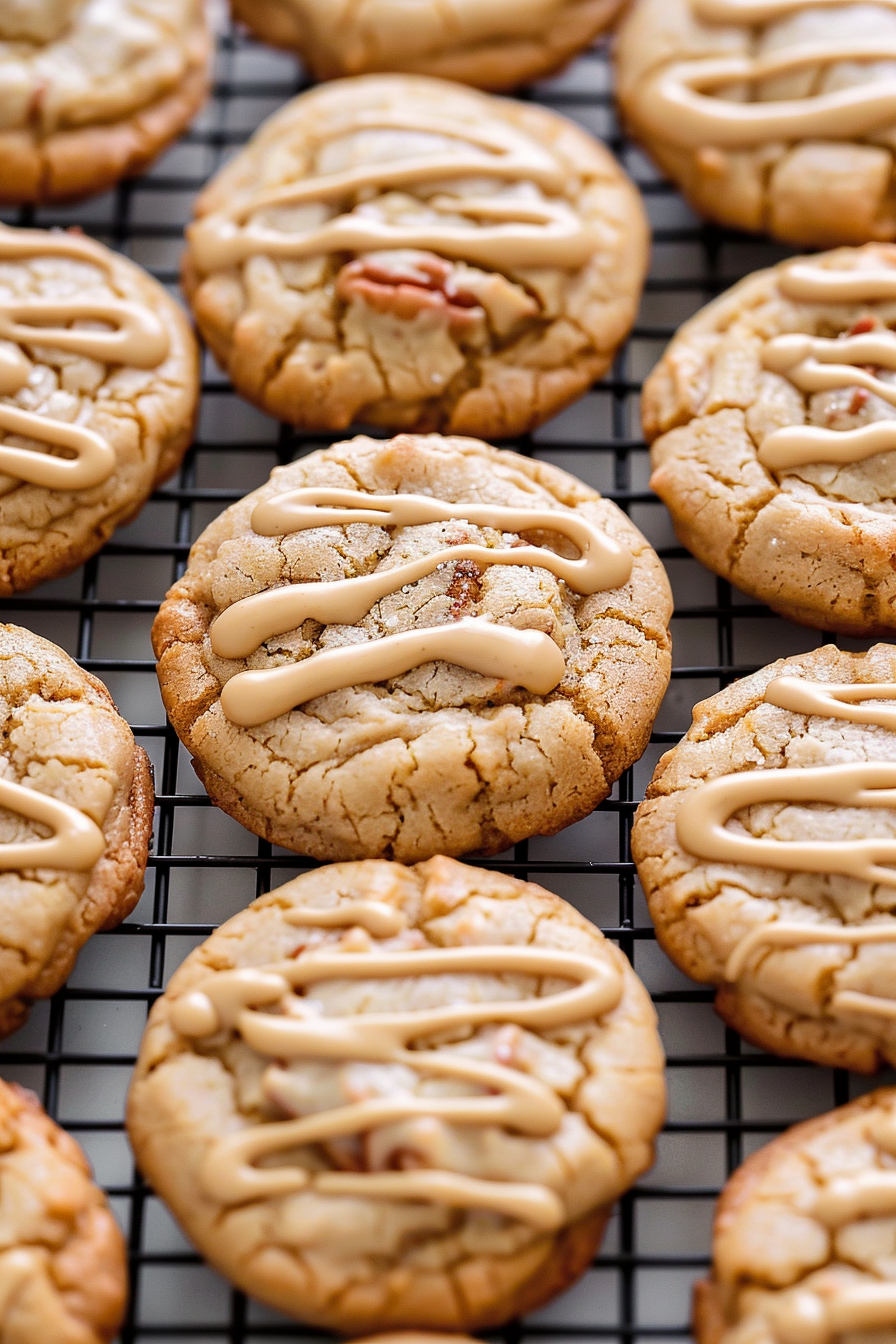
{"points": [[438, 1107], [415, 646], [772, 422], [94, 90], [407, 253]]}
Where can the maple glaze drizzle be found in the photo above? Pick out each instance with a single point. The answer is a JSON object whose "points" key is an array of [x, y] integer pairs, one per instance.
{"points": [[529, 658], [702, 816], [137, 338], [702, 832], [801, 1315], [232, 1001], [677, 101], [806, 1315], [703, 813], [512, 231], [75, 846], [817, 364], [757, 13]]}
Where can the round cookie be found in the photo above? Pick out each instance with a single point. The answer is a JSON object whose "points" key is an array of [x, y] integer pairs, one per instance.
{"points": [[93, 90], [388, 650], [63, 1268], [772, 419], [76, 814], [803, 1235], [408, 253], [99, 384], [770, 115], [493, 44], [385, 1097], [767, 852], [416, 1337]]}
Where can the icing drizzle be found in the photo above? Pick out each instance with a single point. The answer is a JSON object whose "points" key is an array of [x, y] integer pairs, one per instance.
{"points": [[802, 1315], [702, 832], [75, 846], [233, 1001], [677, 100], [513, 231], [757, 13], [805, 1314], [529, 658], [137, 337], [817, 364]]}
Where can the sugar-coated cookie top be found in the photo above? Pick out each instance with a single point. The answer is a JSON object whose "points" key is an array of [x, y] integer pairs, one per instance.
{"points": [[67, 64], [802, 1252], [428, 1066]]}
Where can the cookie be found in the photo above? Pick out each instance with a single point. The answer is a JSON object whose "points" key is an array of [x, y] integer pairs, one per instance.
{"points": [[63, 1268], [385, 1097], [389, 651], [802, 1245], [417, 1337], [99, 384], [94, 90], [770, 115], [407, 253], [494, 44], [69, 766], [772, 418], [767, 852]]}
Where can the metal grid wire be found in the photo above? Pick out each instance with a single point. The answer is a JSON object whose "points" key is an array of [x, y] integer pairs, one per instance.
{"points": [[77, 1051]]}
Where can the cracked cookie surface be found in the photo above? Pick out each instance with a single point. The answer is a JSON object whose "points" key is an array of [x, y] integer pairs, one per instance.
{"points": [[485, 1079], [770, 115], [812, 534], [64, 739], [493, 44], [802, 1246], [63, 1263], [404, 252], [800, 942], [117, 382], [439, 759], [93, 90]]}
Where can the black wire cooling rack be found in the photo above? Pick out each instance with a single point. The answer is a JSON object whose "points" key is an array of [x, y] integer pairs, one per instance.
{"points": [[77, 1051]]}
